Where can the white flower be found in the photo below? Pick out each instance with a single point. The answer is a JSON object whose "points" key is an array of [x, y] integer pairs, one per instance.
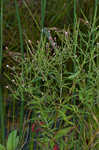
{"points": [[7, 66], [7, 87]]}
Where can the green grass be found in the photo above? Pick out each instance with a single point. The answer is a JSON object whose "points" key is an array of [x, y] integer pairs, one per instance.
{"points": [[55, 79]]}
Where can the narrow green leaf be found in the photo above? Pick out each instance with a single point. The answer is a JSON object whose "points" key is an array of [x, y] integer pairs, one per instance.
{"points": [[74, 75], [63, 132]]}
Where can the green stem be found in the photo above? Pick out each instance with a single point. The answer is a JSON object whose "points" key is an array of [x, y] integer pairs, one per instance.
{"points": [[2, 117], [1, 97], [1, 35], [75, 28], [22, 51], [20, 28], [74, 14], [75, 45], [94, 22], [97, 61], [43, 8]]}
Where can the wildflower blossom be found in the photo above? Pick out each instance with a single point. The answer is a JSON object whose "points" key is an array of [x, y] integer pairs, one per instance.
{"points": [[55, 147], [33, 127], [38, 130], [41, 123]]}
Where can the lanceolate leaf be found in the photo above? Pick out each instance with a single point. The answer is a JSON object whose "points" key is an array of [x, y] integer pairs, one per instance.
{"points": [[74, 75], [63, 132], [13, 140]]}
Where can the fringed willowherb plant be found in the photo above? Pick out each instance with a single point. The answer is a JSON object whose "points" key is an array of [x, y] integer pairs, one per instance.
{"points": [[49, 85], [57, 86]]}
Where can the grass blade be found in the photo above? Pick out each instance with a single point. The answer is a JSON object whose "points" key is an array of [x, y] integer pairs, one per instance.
{"points": [[20, 28], [43, 7], [22, 51]]}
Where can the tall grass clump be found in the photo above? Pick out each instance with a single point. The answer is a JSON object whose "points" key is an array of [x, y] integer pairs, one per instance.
{"points": [[50, 86], [60, 87]]}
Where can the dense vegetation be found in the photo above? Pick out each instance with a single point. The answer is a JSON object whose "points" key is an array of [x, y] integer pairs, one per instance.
{"points": [[49, 75]]}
